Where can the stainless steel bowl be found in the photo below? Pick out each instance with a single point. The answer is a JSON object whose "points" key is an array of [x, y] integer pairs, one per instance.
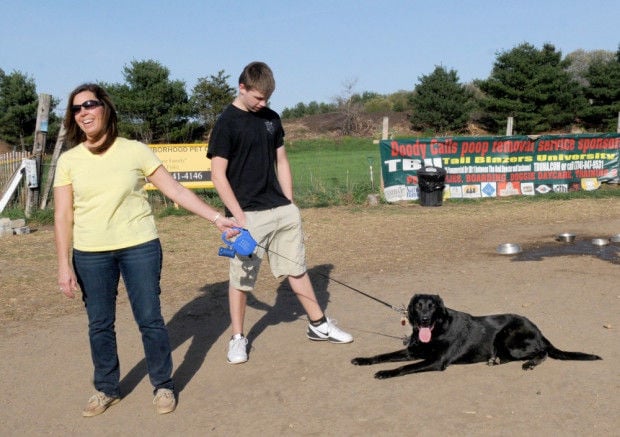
{"points": [[615, 238], [565, 237], [600, 241], [508, 249]]}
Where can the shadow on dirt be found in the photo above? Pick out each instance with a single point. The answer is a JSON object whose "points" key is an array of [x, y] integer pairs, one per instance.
{"points": [[205, 319], [582, 247]]}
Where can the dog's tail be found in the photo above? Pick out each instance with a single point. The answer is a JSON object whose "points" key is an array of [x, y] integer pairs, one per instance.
{"points": [[557, 354]]}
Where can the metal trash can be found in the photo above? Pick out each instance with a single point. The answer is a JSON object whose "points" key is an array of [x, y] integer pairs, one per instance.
{"points": [[431, 182]]}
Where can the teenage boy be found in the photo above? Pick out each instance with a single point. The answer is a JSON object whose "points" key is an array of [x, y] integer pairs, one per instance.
{"points": [[252, 175]]}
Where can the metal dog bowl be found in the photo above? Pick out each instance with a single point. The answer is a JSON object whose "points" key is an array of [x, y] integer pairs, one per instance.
{"points": [[565, 237], [600, 241], [615, 238], [508, 249]]}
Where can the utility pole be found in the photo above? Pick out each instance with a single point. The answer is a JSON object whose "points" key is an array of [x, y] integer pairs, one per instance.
{"points": [[40, 136]]}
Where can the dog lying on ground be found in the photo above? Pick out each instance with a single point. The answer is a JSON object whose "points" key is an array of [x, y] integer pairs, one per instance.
{"points": [[442, 336]]}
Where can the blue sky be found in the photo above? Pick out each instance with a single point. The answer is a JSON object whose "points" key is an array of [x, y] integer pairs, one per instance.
{"points": [[315, 47]]}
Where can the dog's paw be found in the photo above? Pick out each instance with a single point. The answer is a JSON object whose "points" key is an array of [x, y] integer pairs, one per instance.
{"points": [[361, 361], [494, 361], [383, 374], [528, 365]]}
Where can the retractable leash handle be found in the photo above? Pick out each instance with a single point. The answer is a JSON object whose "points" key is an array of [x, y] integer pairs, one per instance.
{"points": [[243, 244]]}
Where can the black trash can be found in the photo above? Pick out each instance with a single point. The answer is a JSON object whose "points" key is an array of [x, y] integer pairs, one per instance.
{"points": [[431, 182]]}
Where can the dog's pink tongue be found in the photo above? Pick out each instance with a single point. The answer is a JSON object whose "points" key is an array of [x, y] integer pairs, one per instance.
{"points": [[424, 335]]}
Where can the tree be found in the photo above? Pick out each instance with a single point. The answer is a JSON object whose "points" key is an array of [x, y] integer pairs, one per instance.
{"points": [[580, 61], [603, 94], [312, 108], [440, 103], [372, 102], [532, 86], [299, 110], [349, 105], [400, 100], [151, 107], [18, 108], [379, 104], [210, 96]]}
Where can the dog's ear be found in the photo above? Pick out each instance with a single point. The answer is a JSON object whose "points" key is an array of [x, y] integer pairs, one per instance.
{"points": [[440, 309], [411, 308], [413, 301], [439, 301]]}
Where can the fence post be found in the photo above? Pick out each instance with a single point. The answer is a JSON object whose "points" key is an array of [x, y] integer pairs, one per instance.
{"points": [[40, 136], [384, 135], [509, 125], [60, 141]]}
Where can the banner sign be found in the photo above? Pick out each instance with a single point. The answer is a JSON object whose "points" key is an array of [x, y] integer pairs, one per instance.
{"points": [[187, 163], [501, 166]]}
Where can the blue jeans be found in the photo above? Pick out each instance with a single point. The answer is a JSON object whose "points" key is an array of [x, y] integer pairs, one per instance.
{"points": [[98, 275]]}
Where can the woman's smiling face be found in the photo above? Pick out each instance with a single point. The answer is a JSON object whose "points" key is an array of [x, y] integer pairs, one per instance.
{"points": [[89, 119]]}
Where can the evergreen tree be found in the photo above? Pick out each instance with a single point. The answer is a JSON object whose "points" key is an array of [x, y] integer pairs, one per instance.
{"points": [[151, 107], [532, 86], [440, 103], [210, 96], [603, 94], [312, 108], [18, 108]]}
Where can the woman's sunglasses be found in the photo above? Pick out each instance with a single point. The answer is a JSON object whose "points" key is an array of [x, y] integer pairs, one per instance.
{"points": [[88, 105]]}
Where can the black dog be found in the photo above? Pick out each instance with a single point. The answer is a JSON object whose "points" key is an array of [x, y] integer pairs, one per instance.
{"points": [[442, 336]]}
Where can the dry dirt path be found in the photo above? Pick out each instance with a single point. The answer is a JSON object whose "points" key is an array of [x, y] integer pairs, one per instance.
{"points": [[292, 386]]}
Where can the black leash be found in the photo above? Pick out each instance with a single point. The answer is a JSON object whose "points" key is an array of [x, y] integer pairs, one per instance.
{"points": [[399, 309]]}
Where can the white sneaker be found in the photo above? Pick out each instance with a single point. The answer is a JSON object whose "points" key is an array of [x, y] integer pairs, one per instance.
{"points": [[328, 331], [237, 353], [164, 401]]}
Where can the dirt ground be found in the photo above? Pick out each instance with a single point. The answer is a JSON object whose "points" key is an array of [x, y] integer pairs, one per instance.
{"points": [[292, 386]]}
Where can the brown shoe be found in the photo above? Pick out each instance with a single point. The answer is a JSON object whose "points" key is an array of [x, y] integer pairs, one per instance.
{"points": [[164, 401], [98, 403]]}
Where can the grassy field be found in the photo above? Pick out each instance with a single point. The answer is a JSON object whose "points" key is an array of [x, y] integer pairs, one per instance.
{"points": [[330, 173]]}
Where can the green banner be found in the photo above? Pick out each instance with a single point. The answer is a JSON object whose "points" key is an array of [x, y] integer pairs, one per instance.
{"points": [[501, 166]]}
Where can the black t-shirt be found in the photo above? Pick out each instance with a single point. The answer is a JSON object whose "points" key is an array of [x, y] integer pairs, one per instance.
{"points": [[248, 140]]}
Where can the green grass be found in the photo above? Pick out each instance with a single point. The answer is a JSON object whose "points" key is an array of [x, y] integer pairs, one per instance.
{"points": [[38, 216], [333, 172]]}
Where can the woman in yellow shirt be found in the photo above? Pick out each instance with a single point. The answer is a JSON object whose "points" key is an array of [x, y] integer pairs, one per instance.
{"points": [[105, 230]]}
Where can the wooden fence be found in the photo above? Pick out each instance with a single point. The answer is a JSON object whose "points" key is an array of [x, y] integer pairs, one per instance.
{"points": [[9, 162]]}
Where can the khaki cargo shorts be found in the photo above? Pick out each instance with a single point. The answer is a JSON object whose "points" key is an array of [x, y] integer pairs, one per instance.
{"points": [[279, 231]]}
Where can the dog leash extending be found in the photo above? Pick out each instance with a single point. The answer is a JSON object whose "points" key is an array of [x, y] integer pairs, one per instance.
{"points": [[398, 309], [244, 245]]}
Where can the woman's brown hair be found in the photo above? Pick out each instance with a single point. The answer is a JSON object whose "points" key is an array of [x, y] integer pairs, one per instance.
{"points": [[74, 135]]}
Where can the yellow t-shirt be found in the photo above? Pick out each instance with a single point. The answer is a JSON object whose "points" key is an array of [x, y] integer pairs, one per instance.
{"points": [[110, 206]]}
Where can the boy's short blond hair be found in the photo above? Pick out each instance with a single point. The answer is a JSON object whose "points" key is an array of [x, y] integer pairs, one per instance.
{"points": [[258, 76]]}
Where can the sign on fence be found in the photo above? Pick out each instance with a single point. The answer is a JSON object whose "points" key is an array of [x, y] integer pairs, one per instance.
{"points": [[187, 163], [501, 166]]}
